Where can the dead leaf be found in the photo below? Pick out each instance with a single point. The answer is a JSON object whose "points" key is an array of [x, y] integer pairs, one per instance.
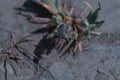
{"points": [[88, 5], [80, 46]]}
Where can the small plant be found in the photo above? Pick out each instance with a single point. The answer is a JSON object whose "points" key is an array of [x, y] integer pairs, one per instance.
{"points": [[68, 29], [7, 56]]}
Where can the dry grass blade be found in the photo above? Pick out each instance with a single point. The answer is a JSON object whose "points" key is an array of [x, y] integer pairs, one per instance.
{"points": [[12, 66], [39, 20], [21, 49], [25, 52], [89, 6], [60, 8], [69, 43], [106, 73], [80, 46], [96, 33], [71, 11], [49, 5], [5, 68], [65, 7], [66, 47], [24, 39]]}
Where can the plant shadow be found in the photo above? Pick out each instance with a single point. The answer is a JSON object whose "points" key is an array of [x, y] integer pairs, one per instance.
{"points": [[45, 45], [31, 6]]}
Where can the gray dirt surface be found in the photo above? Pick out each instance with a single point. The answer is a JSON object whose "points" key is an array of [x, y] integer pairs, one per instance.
{"points": [[101, 61]]}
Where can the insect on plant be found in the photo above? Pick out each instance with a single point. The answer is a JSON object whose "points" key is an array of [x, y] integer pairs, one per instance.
{"points": [[67, 28]]}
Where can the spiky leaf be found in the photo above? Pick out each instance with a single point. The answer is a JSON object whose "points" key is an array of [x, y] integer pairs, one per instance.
{"points": [[98, 24], [92, 17], [60, 8]]}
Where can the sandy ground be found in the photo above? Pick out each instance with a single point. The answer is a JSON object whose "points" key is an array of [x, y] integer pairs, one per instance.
{"points": [[101, 61]]}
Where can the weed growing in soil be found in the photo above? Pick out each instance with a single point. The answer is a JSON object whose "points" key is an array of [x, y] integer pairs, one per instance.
{"points": [[67, 29], [7, 56]]}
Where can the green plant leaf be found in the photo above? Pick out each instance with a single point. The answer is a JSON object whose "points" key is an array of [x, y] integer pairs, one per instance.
{"points": [[98, 24], [60, 8], [70, 42], [92, 17], [87, 33], [86, 23]]}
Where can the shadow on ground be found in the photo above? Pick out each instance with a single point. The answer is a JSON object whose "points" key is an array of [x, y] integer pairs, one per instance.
{"points": [[44, 46], [36, 8]]}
